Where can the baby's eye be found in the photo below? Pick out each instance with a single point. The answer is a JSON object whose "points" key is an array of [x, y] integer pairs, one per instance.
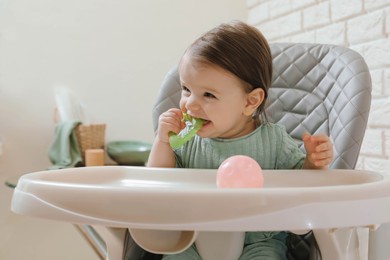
{"points": [[209, 95], [185, 89]]}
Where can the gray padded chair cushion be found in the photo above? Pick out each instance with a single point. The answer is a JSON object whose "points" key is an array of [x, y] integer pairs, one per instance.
{"points": [[316, 88], [322, 89], [168, 96]]}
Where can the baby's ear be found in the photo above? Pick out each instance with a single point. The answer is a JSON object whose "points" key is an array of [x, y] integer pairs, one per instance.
{"points": [[253, 101]]}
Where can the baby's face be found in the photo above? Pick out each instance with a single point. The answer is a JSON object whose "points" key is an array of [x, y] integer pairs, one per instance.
{"points": [[211, 93]]}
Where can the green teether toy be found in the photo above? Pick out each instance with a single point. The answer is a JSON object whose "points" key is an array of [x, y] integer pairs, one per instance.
{"points": [[192, 127]]}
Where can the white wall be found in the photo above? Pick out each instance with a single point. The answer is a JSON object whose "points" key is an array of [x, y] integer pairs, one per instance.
{"points": [[112, 55], [362, 25]]}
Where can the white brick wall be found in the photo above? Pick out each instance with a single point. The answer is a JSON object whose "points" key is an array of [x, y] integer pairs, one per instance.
{"points": [[366, 27], [362, 25], [316, 16], [344, 9]]}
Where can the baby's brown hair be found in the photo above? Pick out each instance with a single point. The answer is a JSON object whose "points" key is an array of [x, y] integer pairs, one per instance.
{"points": [[240, 49]]}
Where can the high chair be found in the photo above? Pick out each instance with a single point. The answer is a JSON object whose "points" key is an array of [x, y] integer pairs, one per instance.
{"points": [[316, 88]]}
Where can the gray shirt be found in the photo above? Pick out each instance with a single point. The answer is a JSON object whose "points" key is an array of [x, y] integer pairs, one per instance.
{"points": [[269, 145]]}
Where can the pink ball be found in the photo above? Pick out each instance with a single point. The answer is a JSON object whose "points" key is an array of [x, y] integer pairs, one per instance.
{"points": [[239, 171]]}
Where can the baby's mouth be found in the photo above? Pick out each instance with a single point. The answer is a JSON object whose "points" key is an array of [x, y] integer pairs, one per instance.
{"points": [[195, 119], [205, 123]]}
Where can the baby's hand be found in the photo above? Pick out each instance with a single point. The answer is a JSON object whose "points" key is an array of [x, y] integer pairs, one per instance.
{"points": [[169, 121], [319, 151]]}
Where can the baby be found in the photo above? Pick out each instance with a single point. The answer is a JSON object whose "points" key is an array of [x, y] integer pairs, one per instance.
{"points": [[225, 76]]}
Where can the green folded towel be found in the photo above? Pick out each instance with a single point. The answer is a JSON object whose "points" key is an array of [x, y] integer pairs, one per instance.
{"points": [[64, 151]]}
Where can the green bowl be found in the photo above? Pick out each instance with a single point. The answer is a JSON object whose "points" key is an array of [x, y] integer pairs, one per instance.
{"points": [[128, 152]]}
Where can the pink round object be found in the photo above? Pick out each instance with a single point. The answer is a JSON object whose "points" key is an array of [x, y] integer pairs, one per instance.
{"points": [[239, 171]]}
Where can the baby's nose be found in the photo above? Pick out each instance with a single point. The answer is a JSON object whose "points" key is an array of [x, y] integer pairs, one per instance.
{"points": [[192, 104]]}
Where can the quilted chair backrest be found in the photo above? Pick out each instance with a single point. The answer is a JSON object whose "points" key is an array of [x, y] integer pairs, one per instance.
{"points": [[316, 88]]}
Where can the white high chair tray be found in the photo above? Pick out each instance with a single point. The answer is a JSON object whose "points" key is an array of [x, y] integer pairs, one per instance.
{"points": [[188, 199]]}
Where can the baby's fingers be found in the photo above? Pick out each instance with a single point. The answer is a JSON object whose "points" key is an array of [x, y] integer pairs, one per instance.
{"points": [[322, 155], [322, 163], [169, 121], [322, 147]]}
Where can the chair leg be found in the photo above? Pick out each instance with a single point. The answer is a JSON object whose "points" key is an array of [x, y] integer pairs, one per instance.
{"points": [[94, 239], [114, 238], [378, 245], [339, 244]]}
